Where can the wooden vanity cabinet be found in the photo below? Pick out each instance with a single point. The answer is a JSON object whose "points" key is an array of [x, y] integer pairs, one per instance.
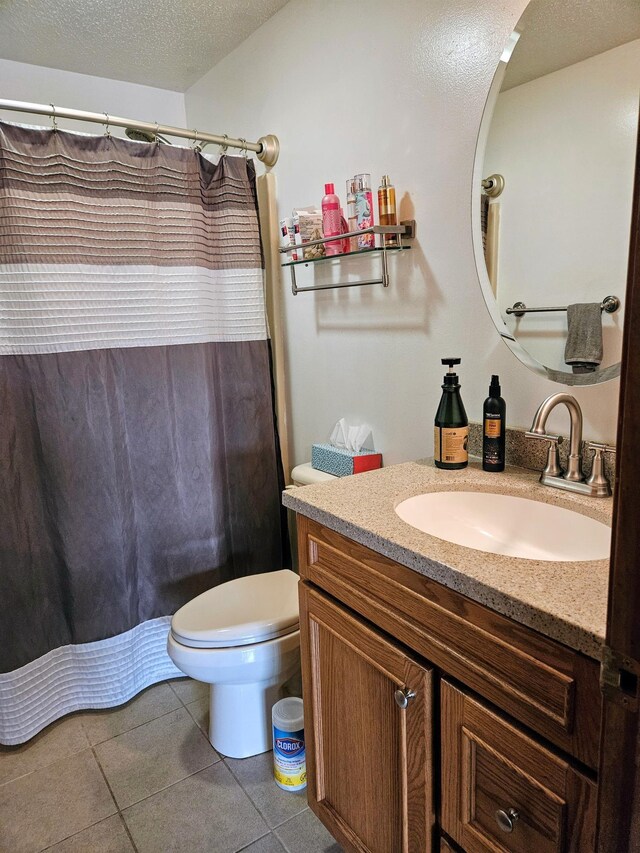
{"points": [[370, 759], [496, 716]]}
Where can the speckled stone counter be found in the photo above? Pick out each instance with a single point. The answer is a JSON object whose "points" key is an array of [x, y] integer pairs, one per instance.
{"points": [[566, 601]]}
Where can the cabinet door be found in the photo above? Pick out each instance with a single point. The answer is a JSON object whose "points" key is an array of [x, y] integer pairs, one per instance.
{"points": [[503, 791], [369, 760]]}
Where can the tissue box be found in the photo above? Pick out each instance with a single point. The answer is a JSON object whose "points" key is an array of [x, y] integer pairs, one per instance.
{"points": [[341, 462]]}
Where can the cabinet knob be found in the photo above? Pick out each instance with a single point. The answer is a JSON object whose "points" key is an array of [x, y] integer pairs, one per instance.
{"points": [[507, 819], [402, 696]]}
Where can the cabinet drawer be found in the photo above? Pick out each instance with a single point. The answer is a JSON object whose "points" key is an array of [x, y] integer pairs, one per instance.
{"points": [[545, 685], [502, 791]]}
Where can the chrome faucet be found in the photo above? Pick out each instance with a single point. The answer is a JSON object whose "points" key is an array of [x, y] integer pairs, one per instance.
{"points": [[572, 479]]}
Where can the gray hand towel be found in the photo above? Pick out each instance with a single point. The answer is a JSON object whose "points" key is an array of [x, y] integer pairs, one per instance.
{"points": [[583, 351]]}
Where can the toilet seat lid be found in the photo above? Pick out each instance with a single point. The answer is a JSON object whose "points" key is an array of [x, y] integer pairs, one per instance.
{"points": [[246, 610]]}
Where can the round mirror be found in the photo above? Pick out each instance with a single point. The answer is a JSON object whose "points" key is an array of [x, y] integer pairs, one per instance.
{"points": [[553, 185]]}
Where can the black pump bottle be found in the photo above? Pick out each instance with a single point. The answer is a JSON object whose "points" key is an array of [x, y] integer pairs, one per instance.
{"points": [[493, 428], [451, 432]]}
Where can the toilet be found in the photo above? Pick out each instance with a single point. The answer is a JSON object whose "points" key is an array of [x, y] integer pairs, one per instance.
{"points": [[242, 638]]}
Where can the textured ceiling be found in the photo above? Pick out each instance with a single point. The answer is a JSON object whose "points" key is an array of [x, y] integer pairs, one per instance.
{"points": [[165, 43], [558, 33]]}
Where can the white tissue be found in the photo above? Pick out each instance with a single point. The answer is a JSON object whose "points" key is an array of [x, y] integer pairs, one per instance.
{"points": [[352, 438]]}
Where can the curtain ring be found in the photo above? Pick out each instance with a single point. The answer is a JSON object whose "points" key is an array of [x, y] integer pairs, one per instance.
{"points": [[156, 140], [224, 147], [107, 131], [54, 123], [195, 145], [244, 148]]}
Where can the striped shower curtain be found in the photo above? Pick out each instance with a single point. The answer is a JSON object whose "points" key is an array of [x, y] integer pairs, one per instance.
{"points": [[138, 450]]}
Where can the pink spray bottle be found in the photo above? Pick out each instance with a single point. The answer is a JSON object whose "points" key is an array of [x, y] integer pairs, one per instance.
{"points": [[331, 220]]}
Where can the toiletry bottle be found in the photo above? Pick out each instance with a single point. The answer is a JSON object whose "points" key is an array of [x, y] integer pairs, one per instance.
{"points": [[493, 428], [451, 432], [387, 209], [331, 220], [287, 234], [352, 219], [364, 210], [346, 245]]}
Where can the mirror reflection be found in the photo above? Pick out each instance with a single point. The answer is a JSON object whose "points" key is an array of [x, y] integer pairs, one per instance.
{"points": [[556, 178]]}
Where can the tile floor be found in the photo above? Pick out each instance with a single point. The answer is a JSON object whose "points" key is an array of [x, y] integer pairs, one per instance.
{"points": [[143, 777]]}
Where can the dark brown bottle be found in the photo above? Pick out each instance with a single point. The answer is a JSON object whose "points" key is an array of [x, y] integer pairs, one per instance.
{"points": [[493, 428], [451, 431]]}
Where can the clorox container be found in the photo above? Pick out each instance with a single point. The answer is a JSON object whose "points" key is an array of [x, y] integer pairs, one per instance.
{"points": [[289, 759]]}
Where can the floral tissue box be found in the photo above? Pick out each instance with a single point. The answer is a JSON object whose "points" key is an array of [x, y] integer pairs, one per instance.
{"points": [[341, 462]]}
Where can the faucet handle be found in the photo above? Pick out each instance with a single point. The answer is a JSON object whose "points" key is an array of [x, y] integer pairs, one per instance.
{"points": [[552, 468], [599, 446], [544, 436], [597, 478]]}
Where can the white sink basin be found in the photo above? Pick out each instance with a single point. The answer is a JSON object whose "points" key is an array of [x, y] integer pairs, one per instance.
{"points": [[503, 524]]}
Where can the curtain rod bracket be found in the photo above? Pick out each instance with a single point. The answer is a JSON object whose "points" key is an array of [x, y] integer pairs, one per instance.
{"points": [[269, 150]]}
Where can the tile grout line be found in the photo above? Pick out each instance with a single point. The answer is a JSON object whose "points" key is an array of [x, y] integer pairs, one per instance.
{"points": [[137, 726], [255, 805], [128, 831], [177, 695], [50, 763], [113, 796], [248, 795], [166, 787], [89, 745], [255, 841], [280, 825], [117, 813]]}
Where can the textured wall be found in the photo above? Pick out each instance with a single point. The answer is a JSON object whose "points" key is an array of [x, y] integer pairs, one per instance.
{"points": [[394, 88], [22, 82]]}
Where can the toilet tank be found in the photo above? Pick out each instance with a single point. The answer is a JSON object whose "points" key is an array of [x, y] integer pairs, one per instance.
{"points": [[305, 475], [302, 475]]}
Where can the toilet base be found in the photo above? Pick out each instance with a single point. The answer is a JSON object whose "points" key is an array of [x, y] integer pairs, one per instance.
{"points": [[240, 716]]}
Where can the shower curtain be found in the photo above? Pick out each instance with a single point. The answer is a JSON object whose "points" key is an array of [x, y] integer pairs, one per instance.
{"points": [[139, 460]]}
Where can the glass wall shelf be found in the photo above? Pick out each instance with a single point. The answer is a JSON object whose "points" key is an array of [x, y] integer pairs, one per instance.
{"points": [[405, 230], [373, 251]]}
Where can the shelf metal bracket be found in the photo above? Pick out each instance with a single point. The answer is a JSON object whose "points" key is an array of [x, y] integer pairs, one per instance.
{"points": [[405, 229], [383, 280]]}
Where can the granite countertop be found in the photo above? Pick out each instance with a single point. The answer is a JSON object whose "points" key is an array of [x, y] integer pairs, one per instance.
{"points": [[566, 601]]}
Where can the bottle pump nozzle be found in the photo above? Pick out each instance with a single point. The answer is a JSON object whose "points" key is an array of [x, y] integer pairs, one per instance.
{"points": [[451, 362]]}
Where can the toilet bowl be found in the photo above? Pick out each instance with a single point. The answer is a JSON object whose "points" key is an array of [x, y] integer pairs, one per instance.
{"points": [[242, 638]]}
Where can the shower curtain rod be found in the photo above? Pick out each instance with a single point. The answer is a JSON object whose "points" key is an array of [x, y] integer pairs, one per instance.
{"points": [[266, 148]]}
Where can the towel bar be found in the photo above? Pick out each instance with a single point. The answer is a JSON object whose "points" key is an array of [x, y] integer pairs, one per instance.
{"points": [[610, 304]]}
